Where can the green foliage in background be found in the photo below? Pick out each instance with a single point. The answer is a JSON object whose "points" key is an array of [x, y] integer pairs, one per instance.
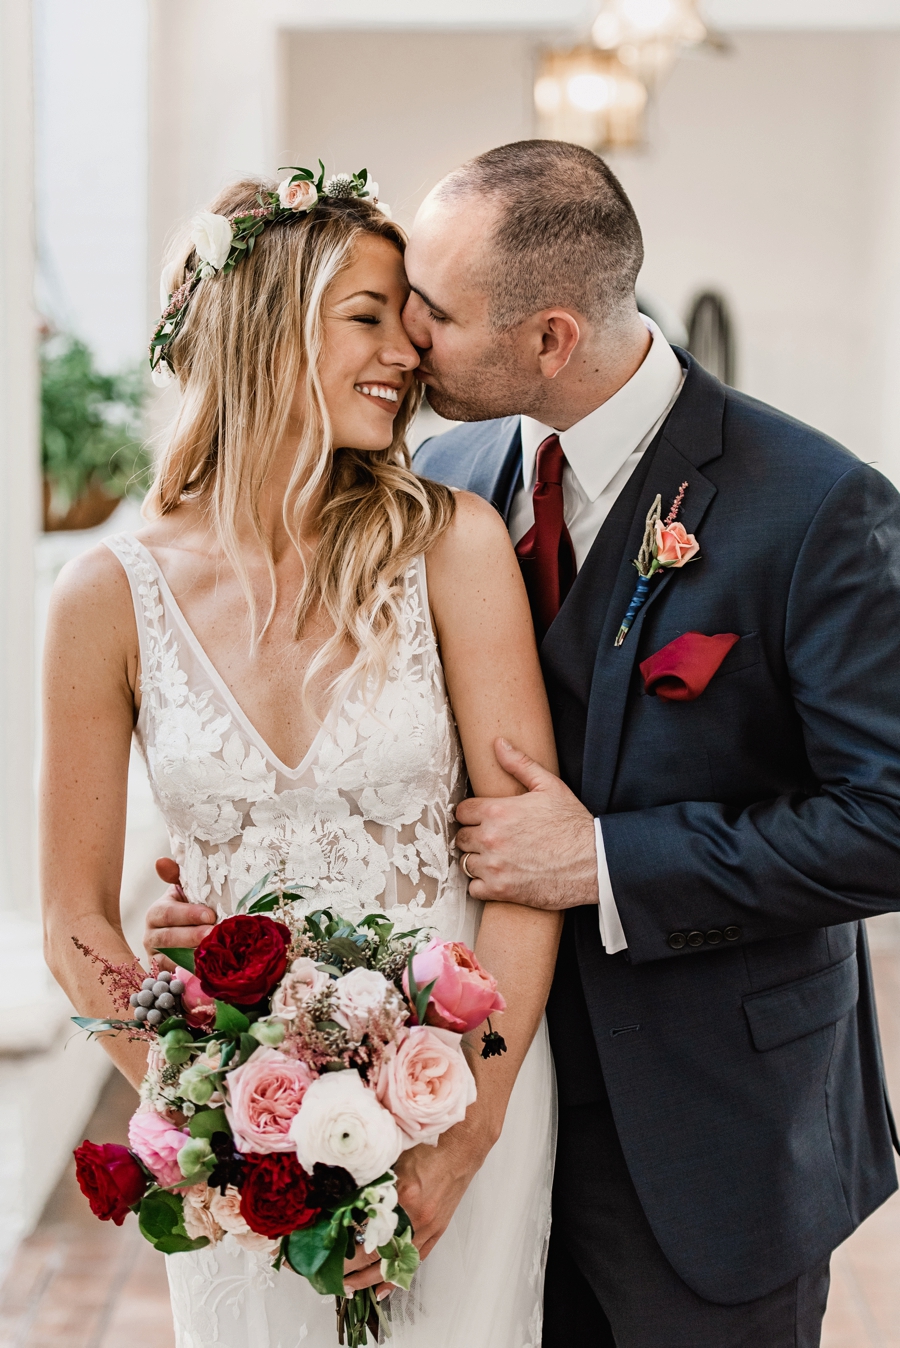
{"points": [[90, 425]]}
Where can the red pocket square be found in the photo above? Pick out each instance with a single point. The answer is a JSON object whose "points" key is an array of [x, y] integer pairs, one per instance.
{"points": [[681, 670]]}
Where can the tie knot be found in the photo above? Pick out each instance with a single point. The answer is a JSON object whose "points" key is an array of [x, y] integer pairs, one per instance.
{"points": [[550, 461]]}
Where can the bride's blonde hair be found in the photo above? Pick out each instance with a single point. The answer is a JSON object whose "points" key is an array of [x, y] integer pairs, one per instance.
{"points": [[247, 339]]}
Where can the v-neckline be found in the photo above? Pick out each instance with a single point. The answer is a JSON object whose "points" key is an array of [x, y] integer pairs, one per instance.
{"points": [[228, 696]]}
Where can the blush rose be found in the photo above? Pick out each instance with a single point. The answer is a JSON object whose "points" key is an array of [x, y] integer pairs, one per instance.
{"points": [[464, 994], [157, 1142], [426, 1084], [300, 196], [674, 547], [264, 1094]]}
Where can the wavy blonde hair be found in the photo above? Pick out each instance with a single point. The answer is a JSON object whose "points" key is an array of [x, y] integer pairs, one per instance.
{"points": [[247, 340]]}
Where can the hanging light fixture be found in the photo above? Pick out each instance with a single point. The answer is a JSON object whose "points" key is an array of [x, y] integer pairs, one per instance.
{"points": [[648, 35], [589, 97], [595, 95]]}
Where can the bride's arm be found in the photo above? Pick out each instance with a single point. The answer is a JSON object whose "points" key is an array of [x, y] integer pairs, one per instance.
{"points": [[90, 666], [494, 680]]}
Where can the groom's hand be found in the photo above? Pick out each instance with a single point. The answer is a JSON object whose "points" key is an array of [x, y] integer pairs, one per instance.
{"points": [[538, 849]]}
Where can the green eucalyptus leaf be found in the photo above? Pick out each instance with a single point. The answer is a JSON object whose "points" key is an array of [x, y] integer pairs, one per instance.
{"points": [[347, 951], [230, 1020], [181, 956], [307, 1250]]}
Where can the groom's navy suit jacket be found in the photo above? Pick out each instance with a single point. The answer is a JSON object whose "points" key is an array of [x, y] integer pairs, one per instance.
{"points": [[745, 1075]]}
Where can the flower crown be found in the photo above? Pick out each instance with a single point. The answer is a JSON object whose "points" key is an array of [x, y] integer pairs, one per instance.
{"points": [[221, 241]]}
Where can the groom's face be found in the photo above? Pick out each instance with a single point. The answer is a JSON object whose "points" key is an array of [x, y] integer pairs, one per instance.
{"points": [[471, 372]]}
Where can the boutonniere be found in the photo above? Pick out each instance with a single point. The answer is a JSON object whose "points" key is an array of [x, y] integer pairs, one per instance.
{"points": [[666, 546]]}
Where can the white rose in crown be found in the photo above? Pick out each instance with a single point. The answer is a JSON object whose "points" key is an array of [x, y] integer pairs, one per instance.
{"points": [[340, 1122], [372, 188], [300, 196], [211, 236]]}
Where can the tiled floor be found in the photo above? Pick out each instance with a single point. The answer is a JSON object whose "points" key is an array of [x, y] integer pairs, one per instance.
{"points": [[80, 1283]]}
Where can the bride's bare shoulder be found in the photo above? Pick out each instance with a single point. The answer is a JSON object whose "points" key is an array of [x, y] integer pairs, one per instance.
{"points": [[473, 560]]}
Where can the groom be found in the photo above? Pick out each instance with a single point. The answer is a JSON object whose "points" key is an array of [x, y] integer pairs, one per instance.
{"points": [[731, 799]]}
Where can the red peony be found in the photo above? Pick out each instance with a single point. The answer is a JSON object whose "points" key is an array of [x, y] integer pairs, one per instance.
{"points": [[242, 959], [110, 1179], [276, 1195]]}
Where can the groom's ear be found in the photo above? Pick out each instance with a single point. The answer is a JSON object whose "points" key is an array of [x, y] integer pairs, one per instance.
{"points": [[560, 334]]}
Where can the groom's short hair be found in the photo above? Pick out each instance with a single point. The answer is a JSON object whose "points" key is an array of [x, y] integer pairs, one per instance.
{"points": [[566, 234]]}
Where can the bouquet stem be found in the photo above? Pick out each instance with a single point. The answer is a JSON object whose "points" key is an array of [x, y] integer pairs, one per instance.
{"points": [[358, 1316]]}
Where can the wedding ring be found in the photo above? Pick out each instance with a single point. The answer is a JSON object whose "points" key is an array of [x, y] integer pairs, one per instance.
{"points": [[465, 865]]}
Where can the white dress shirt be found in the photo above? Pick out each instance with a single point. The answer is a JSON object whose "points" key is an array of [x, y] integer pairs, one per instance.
{"points": [[602, 451]]}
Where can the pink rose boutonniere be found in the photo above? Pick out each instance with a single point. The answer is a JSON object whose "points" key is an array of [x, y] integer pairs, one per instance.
{"points": [[666, 546]]}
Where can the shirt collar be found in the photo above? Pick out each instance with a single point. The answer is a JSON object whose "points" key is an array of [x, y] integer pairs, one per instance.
{"points": [[597, 446]]}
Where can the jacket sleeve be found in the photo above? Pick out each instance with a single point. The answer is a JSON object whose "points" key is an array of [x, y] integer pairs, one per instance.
{"points": [[803, 860]]}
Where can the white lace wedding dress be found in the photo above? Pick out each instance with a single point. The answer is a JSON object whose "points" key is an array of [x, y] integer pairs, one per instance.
{"points": [[367, 821]]}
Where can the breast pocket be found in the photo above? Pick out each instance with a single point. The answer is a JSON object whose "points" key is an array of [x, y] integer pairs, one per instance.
{"points": [[793, 1010]]}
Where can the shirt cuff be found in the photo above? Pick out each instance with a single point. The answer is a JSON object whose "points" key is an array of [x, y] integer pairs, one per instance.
{"points": [[612, 933]]}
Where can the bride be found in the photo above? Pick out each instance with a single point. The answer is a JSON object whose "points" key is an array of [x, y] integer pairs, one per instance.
{"points": [[312, 649]]}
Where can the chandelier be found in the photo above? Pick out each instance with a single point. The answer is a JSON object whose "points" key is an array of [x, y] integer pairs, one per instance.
{"points": [[595, 94]]}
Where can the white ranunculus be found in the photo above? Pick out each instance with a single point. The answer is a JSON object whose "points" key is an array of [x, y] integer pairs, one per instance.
{"points": [[340, 1122], [211, 236], [380, 1203]]}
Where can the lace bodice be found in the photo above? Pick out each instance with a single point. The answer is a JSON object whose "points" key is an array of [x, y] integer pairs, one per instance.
{"points": [[365, 821]]}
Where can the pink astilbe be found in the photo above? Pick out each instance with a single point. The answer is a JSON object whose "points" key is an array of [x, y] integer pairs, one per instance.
{"points": [[120, 980], [676, 506]]}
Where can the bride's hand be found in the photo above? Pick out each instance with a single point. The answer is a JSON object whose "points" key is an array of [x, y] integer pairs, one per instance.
{"points": [[172, 922], [430, 1182]]}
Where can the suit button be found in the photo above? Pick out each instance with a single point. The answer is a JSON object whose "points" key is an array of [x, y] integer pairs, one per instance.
{"points": [[732, 933], [714, 937], [696, 938], [677, 940]]}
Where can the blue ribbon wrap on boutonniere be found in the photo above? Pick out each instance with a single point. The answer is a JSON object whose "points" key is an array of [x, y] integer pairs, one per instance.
{"points": [[666, 546]]}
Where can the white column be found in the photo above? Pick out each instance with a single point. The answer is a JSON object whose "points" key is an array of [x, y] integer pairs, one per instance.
{"points": [[19, 466]]}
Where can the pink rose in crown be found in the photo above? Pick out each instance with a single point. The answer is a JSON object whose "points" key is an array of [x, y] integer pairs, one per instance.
{"points": [[464, 994], [199, 1009], [157, 1142], [426, 1084], [300, 196], [263, 1097], [674, 546]]}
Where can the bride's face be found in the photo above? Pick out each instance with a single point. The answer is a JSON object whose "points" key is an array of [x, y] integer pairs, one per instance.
{"points": [[367, 362]]}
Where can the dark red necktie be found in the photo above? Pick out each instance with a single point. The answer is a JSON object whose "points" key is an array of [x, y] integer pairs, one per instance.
{"points": [[545, 554]]}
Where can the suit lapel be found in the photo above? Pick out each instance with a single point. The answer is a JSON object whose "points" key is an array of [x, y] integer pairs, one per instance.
{"points": [[692, 436], [497, 473]]}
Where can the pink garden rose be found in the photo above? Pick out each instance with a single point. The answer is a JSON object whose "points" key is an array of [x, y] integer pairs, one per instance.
{"points": [[264, 1095], [157, 1142], [464, 994], [426, 1084], [300, 196], [674, 547], [200, 1010], [302, 981]]}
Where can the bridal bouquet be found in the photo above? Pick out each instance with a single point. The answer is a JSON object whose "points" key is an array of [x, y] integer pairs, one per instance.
{"points": [[292, 1059]]}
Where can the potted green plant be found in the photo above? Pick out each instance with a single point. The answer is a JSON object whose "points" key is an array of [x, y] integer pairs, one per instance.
{"points": [[91, 443]]}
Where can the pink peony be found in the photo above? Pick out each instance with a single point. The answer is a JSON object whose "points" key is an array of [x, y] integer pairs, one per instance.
{"points": [[674, 547], [200, 1010], [264, 1095], [464, 994], [426, 1084], [157, 1142]]}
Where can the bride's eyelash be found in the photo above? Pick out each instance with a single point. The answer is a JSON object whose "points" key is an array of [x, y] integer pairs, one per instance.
{"points": [[366, 318]]}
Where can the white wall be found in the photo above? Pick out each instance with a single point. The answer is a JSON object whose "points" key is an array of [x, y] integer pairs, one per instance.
{"points": [[91, 149], [772, 174]]}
